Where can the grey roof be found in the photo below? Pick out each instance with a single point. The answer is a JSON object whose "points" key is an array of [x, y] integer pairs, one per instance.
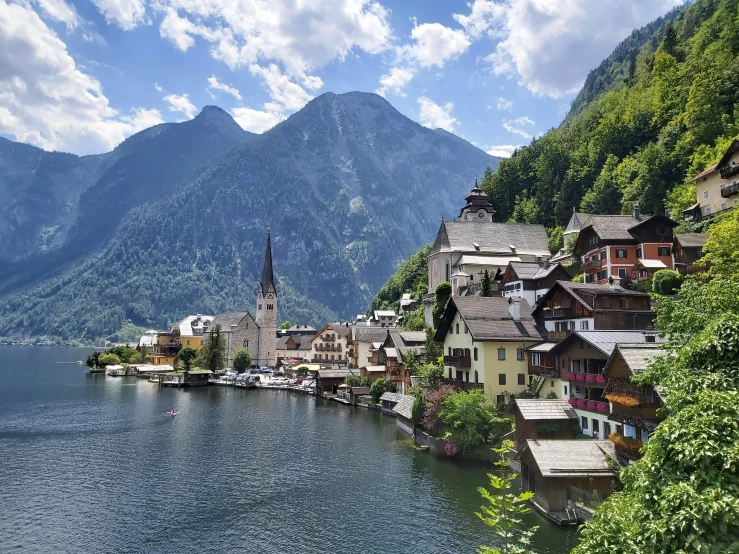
{"points": [[307, 329], [488, 318], [413, 336], [368, 333], [650, 264], [491, 237], [344, 329], [391, 396], [545, 409], [227, 320], [583, 292], [282, 343], [391, 352], [573, 458], [375, 368], [267, 273], [614, 227], [606, 341], [638, 355], [360, 390], [576, 222], [532, 270], [542, 347], [334, 373], [404, 407], [692, 240]]}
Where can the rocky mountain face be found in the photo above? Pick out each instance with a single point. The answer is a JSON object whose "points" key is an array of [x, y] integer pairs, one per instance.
{"points": [[349, 186]]}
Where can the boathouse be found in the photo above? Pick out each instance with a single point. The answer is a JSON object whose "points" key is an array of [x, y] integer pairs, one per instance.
{"points": [[543, 419], [404, 413], [389, 401], [329, 380]]}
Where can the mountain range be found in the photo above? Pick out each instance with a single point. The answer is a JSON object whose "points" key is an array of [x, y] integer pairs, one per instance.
{"points": [[173, 221]]}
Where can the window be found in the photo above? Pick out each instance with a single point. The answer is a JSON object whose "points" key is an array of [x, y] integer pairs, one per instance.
{"points": [[621, 253], [606, 429], [565, 388], [521, 378], [501, 354], [736, 201], [589, 278], [661, 231], [501, 378], [450, 351], [519, 354], [536, 359], [664, 251], [602, 275], [551, 383], [474, 350], [259, 307], [705, 195], [476, 381], [622, 272], [705, 179], [602, 255], [188, 342], [500, 399], [596, 428], [467, 376], [584, 423], [466, 330], [457, 328], [246, 344], [707, 210], [584, 325], [447, 272], [638, 252]]}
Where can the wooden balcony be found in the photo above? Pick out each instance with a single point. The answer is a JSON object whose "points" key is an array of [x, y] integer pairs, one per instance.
{"points": [[558, 335], [545, 371], [458, 361], [464, 385], [592, 266], [556, 313], [729, 171], [641, 412], [730, 190], [328, 338]]}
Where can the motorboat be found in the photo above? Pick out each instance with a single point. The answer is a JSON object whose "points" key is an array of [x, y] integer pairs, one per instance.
{"points": [[115, 370]]}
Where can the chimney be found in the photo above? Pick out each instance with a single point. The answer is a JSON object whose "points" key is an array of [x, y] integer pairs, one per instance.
{"points": [[514, 308], [611, 282], [635, 211]]}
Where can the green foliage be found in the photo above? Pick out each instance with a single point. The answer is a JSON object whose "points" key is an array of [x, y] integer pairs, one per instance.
{"points": [[380, 387], [441, 297], [503, 509], [302, 371], [579, 278], [213, 354], [430, 374], [126, 354], [555, 239], [486, 285], [356, 381], [106, 359], [433, 350], [666, 281], [419, 409], [410, 277], [186, 356], [242, 360], [415, 320], [722, 248], [470, 418], [285, 325]]}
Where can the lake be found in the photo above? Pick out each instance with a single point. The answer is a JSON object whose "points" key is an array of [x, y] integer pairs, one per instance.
{"points": [[91, 463]]}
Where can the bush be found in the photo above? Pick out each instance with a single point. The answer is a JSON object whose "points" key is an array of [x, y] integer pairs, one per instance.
{"points": [[105, 359], [356, 381], [302, 371], [380, 387], [242, 360], [667, 282], [431, 421], [471, 419]]}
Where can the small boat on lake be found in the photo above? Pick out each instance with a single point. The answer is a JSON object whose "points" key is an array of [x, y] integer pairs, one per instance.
{"points": [[115, 370]]}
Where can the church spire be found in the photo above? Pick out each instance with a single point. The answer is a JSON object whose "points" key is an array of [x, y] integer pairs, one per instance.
{"points": [[267, 275]]}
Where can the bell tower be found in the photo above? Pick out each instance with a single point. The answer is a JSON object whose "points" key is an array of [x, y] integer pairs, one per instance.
{"points": [[478, 207], [267, 311]]}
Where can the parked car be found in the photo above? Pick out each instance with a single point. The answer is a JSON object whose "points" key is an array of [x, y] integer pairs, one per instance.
{"points": [[264, 370]]}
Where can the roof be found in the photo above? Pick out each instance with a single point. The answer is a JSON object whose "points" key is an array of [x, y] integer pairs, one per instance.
{"points": [[267, 274], [193, 323], [391, 352], [227, 320], [404, 407], [368, 333], [488, 318], [460, 273], [576, 222], [360, 390], [583, 293], [614, 227], [461, 236], [692, 240], [498, 261], [375, 369], [651, 264], [537, 409], [606, 341], [391, 396], [638, 355], [199, 372], [694, 207], [542, 347], [709, 169], [533, 270], [343, 329], [573, 458], [384, 313], [334, 373], [306, 329]]}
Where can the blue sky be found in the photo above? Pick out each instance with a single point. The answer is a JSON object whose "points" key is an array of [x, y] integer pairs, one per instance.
{"points": [[81, 75]]}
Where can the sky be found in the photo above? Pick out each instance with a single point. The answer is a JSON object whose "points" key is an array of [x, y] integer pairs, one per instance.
{"points": [[81, 75]]}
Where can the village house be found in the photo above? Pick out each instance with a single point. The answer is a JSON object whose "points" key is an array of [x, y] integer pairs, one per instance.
{"points": [[383, 318], [389, 400], [363, 337], [400, 347], [544, 378], [407, 304], [543, 419], [612, 245], [569, 306], [403, 411], [687, 249], [330, 345], [188, 333], [581, 358], [294, 349], [147, 342], [484, 342], [531, 280], [467, 248], [634, 408], [328, 380], [570, 234], [717, 187], [561, 473]]}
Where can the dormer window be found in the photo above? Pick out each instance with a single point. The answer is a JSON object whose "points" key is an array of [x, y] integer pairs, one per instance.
{"points": [[477, 246]]}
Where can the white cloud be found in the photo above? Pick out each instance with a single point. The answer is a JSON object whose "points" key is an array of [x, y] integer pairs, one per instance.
{"points": [[158, 87], [519, 126], [46, 99], [434, 45], [483, 13], [127, 14], [503, 150], [215, 84], [180, 103], [503, 105], [395, 80], [59, 10], [257, 121], [551, 45], [434, 116]]}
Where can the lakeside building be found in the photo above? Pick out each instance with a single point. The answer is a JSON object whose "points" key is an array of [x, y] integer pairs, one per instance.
{"points": [[294, 349], [484, 342], [543, 419], [612, 245], [363, 337], [188, 333], [717, 187], [687, 249], [399, 347], [531, 280], [330, 345]]}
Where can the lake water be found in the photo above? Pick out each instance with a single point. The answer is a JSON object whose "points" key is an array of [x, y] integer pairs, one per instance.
{"points": [[90, 463]]}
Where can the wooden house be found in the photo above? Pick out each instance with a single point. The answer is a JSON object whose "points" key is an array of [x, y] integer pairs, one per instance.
{"points": [[191, 378], [329, 380], [404, 413], [531, 280], [399, 347], [543, 419], [687, 249], [389, 400], [559, 472]]}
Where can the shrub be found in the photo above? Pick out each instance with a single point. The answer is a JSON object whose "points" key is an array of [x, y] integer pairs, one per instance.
{"points": [[302, 371], [667, 282], [471, 418], [356, 381], [380, 387], [106, 359], [431, 421]]}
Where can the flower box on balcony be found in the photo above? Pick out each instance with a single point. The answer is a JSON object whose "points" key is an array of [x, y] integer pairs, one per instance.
{"points": [[572, 402], [600, 379], [579, 377], [623, 400], [580, 403], [570, 376], [602, 407], [590, 378], [625, 442], [591, 405]]}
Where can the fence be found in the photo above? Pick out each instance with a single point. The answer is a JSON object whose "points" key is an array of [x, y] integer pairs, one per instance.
{"points": [[583, 500]]}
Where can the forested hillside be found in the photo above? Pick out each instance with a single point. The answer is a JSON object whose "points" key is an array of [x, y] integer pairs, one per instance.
{"points": [[660, 109], [410, 277]]}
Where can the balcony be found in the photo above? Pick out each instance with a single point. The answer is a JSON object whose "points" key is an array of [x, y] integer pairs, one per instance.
{"points": [[626, 446], [328, 348], [641, 412], [458, 361], [592, 266], [464, 385], [589, 379], [556, 313], [730, 190], [729, 171], [558, 335], [328, 338], [545, 371], [589, 405]]}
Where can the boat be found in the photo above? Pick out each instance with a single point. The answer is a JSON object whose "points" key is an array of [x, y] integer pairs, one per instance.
{"points": [[97, 370], [115, 370]]}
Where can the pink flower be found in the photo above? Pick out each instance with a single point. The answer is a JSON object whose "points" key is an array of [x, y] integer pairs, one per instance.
{"points": [[591, 404], [590, 378], [603, 407], [570, 376], [579, 377], [450, 449], [600, 379], [580, 403], [572, 401]]}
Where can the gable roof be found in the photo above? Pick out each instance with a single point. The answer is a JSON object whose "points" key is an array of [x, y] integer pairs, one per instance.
{"points": [[576, 222], [405, 342], [692, 240], [573, 458], [619, 227], [488, 318], [369, 333], [404, 407], [335, 373], [637, 356], [539, 409], [228, 319], [709, 169], [391, 396], [461, 236], [343, 329], [585, 292], [532, 271], [606, 341]]}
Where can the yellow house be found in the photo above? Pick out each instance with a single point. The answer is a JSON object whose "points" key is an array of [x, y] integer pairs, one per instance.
{"points": [[717, 188], [484, 344], [188, 333]]}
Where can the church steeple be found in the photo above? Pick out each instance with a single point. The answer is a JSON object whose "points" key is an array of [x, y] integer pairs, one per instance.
{"points": [[267, 274], [478, 207]]}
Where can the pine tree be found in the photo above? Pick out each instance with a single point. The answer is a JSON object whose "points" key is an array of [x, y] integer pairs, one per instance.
{"points": [[486, 288]]}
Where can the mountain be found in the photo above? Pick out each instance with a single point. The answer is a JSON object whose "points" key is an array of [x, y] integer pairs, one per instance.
{"points": [[349, 186], [96, 192], [661, 108]]}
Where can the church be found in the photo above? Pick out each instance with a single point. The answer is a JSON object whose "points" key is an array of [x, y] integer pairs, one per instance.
{"points": [[256, 334]]}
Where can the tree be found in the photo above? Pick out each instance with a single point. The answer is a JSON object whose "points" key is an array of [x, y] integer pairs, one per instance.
{"points": [[431, 421], [555, 239], [486, 286], [106, 359], [433, 350], [503, 509], [302, 371], [666, 282], [722, 248], [186, 356], [605, 196], [93, 360], [470, 418], [242, 360], [285, 325], [356, 381], [419, 409], [441, 297], [213, 353], [380, 387]]}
